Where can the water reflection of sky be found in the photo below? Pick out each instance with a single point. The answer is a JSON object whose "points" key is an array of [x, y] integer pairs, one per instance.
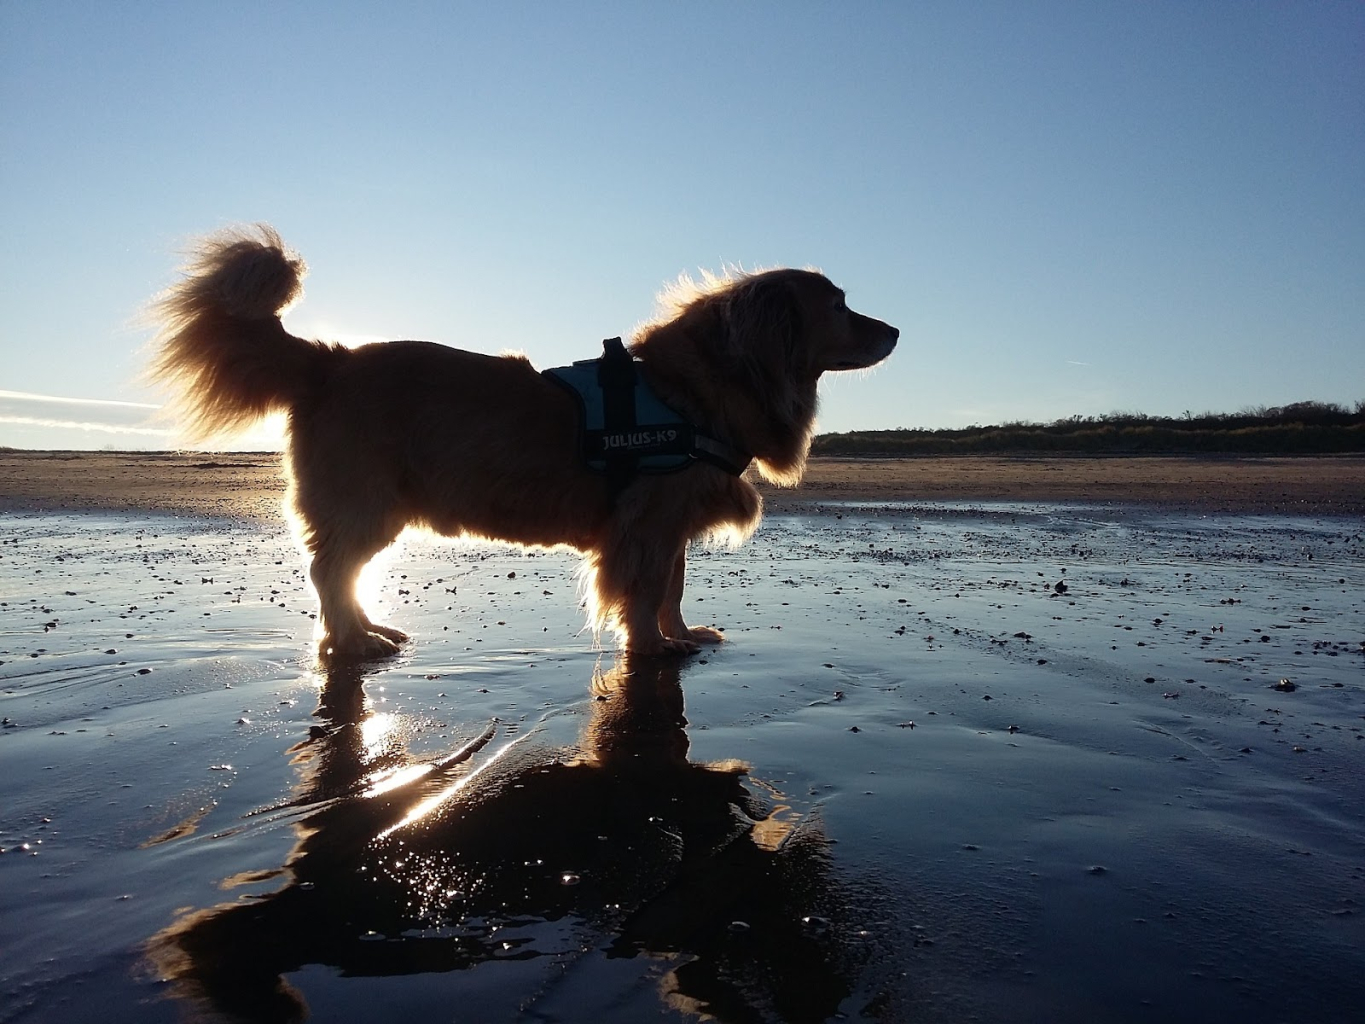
{"points": [[957, 776]]}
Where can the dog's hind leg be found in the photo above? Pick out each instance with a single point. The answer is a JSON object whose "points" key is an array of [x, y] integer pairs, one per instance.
{"points": [[338, 558], [671, 622]]}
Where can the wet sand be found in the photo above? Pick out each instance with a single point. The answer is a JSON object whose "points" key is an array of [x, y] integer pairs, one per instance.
{"points": [[250, 484], [956, 760]]}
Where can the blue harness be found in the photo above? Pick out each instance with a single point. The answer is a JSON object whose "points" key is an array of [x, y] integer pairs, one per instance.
{"points": [[626, 429]]}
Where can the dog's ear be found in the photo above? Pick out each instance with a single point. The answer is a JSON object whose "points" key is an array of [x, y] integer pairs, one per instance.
{"points": [[771, 356], [763, 326]]}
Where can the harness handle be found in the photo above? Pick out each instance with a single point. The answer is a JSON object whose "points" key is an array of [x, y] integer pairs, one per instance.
{"points": [[616, 375]]}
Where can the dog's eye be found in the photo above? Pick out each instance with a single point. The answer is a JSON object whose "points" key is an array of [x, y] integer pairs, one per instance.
{"points": [[840, 305]]}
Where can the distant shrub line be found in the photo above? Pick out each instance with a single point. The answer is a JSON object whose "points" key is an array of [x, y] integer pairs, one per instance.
{"points": [[1304, 428]]}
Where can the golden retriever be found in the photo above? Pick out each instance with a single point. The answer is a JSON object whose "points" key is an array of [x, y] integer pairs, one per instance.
{"points": [[411, 433]]}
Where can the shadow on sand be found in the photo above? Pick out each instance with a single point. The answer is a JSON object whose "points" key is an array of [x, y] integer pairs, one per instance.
{"points": [[407, 867]]}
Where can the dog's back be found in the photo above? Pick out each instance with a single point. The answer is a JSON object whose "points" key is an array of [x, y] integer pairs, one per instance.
{"points": [[461, 442]]}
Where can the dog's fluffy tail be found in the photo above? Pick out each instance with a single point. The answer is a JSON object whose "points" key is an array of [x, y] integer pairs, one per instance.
{"points": [[221, 349]]}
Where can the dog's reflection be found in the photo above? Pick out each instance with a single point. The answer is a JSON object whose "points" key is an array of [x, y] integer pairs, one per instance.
{"points": [[506, 849]]}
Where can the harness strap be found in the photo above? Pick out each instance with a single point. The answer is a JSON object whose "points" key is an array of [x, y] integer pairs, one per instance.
{"points": [[725, 456], [626, 430], [616, 375]]}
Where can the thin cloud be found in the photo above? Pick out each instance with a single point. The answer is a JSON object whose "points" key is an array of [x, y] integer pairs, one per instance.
{"points": [[106, 428], [27, 396], [89, 416]]}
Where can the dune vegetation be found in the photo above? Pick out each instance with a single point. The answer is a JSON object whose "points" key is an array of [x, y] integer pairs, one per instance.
{"points": [[1303, 428]]}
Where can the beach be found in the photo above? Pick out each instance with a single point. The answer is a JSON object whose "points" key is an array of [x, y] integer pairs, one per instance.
{"points": [[988, 739], [250, 484]]}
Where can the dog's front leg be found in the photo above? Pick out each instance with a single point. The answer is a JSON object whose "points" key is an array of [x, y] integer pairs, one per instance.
{"points": [[631, 583], [671, 622]]}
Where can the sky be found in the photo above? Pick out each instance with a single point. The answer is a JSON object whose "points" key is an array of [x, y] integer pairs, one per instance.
{"points": [[1066, 208]]}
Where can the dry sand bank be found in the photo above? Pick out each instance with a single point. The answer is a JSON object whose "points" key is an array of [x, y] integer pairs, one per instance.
{"points": [[1317, 485], [249, 484]]}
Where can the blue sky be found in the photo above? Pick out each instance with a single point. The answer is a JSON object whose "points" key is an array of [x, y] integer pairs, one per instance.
{"points": [[1067, 208]]}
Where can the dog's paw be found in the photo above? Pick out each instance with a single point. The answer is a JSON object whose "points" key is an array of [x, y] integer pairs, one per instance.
{"points": [[388, 632], [379, 645], [673, 626], [666, 645], [702, 635], [362, 647]]}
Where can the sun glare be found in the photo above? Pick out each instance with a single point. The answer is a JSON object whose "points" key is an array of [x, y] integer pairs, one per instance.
{"points": [[377, 733], [324, 332], [370, 589], [267, 435], [425, 807]]}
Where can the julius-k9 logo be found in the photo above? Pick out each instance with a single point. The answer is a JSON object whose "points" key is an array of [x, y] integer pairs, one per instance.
{"points": [[638, 439]]}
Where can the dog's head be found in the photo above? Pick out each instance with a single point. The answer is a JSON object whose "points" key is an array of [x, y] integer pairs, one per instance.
{"points": [[764, 340], [797, 322]]}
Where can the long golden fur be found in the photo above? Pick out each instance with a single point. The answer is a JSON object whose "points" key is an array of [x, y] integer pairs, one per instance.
{"points": [[403, 433]]}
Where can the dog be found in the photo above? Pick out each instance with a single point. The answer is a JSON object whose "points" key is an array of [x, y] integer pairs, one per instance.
{"points": [[411, 433]]}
